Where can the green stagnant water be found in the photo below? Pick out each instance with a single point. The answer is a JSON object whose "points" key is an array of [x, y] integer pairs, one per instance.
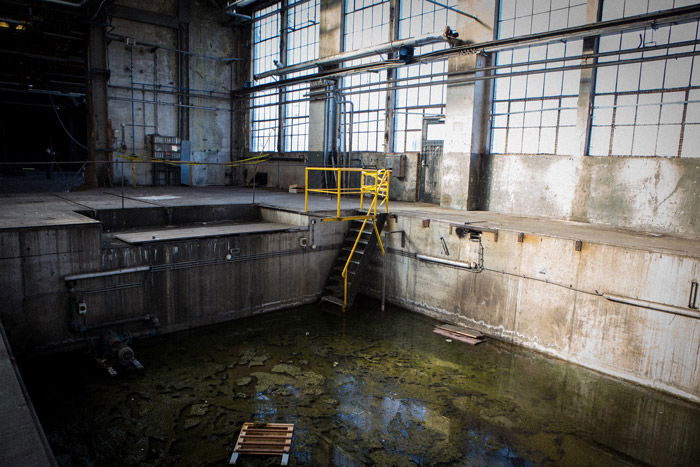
{"points": [[367, 388]]}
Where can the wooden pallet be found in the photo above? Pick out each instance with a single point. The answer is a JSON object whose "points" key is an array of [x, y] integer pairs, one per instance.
{"points": [[473, 333], [265, 439], [468, 336]]}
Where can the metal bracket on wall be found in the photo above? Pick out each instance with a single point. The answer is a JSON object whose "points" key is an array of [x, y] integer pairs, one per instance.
{"points": [[463, 230], [693, 299]]}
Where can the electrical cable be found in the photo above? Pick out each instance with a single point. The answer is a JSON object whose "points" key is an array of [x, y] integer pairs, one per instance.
{"points": [[53, 106]]}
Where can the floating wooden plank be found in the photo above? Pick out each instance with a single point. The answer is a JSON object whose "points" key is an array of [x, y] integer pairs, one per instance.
{"points": [[461, 330], [458, 337], [201, 232], [266, 439]]}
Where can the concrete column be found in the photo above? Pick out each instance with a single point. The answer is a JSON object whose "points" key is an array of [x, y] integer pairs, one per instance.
{"points": [[99, 137], [583, 117], [466, 144], [391, 75]]}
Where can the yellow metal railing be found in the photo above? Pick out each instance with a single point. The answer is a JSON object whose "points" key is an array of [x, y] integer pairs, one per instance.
{"points": [[374, 183]]}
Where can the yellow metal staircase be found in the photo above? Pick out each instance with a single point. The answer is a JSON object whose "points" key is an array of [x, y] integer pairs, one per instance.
{"points": [[364, 234]]}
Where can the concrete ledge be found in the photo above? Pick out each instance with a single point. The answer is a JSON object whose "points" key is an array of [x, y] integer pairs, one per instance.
{"points": [[22, 440]]}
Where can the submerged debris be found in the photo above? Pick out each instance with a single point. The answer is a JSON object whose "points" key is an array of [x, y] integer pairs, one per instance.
{"points": [[244, 381]]}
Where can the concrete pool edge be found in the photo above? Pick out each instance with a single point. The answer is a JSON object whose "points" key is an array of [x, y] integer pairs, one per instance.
{"points": [[22, 438]]}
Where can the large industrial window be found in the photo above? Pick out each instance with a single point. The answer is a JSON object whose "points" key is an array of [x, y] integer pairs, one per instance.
{"points": [[264, 114], [367, 24], [416, 18], [281, 116], [302, 46], [650, 108], [536, 113]]}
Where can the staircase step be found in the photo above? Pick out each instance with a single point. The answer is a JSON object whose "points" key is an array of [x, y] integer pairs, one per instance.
{"points": [[332, 299], [340, 269], [364, 232], [357, 250], [359, 242], [336, 289]]}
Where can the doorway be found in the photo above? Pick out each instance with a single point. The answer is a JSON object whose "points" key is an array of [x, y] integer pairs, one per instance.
{"points": [[433, 140]]}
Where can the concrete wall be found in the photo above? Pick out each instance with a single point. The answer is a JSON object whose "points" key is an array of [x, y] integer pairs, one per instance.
{"points": [[544, 295], [191, 283], [204, 104], [644, 193]]}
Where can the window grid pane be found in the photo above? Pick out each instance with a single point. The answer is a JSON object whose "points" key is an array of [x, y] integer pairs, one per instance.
{"points": [[265, 104], [536, 113], [648, 108], [302, 36], [302, 46], [416, 18], [367, 24]]}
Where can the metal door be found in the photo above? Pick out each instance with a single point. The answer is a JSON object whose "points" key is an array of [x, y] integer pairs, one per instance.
{"points": [[430, 160]]}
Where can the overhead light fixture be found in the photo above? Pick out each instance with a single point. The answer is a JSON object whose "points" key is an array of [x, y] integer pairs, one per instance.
{"points": [[4, 25], [20, 27]]}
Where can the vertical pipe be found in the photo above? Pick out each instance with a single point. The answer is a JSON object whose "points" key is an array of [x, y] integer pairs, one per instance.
{"points": [[133, 102], [387, 175], [306, 189], [155, 91], [338, 177], [133, 116], [384, 276]]}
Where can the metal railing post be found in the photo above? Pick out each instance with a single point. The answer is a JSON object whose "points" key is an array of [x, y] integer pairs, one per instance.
{"points": [[306, 189], [362, 189], [338, 177]]}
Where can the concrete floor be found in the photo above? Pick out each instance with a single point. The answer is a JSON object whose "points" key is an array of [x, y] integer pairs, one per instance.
{"points": [[40, 209]]}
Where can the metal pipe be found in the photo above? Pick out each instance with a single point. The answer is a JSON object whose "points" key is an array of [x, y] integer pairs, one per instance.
{"points": [[237, 15], [673, 16], [384, 275], [676, 310], [66, 3], [171, 104], [157, 90], [239, 3], [362, 53], [432, 259], [113, 272], [471, 79], [119, 37], [151, 318]]}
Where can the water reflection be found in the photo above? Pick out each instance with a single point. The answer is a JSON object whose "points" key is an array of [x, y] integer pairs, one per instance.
{"points": [[367, 388]]}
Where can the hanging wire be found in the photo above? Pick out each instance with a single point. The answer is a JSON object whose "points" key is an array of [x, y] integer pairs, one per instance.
{"points": [[53, 106]]}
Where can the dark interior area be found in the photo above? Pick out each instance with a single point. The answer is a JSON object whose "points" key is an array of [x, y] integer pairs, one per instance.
{"points": [[43, 109]]}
